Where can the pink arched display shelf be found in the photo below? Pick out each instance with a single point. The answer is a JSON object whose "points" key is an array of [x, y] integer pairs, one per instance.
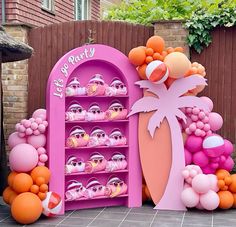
{"points": [[83, 63]]}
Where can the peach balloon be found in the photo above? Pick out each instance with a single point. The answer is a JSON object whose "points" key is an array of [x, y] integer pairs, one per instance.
{"points": [[178, 64], [26, 208], [22, 183]]}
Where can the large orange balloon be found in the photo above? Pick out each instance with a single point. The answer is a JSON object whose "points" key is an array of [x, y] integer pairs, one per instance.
{"points": [[137, 56], [232, 186], [234, 195], [156, 43], [26, 208], [7, 194], [41, 171], [178, 64], [226, 199], [11, 177], [221, 174], [22, 182]]}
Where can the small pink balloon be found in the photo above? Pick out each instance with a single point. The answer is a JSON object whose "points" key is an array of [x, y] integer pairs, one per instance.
{"points": [[201, 115], [214, 165], [21, 134], [185, 173], [45, 123], [189, 197], [41, 150], [201, 183], [39, 120], [200, 159], [41, 128], [196, 111], [194, 117], [203, 134], [21, 128], [188, 110], [17, 126], [198, 132], [188, 132], [29, 131], [32, 119], [36, 132], [215, 121], [193, 173], [213, 182], [228, 147], [27, 123], [34, 125], [192, 127], [41, 113], [206, 127], [209, 133], [216, 159], [189, 180], [222, 159], [23, 158], [37, 141], [210, 200], [14, 140], [193, 144], [200, 125], [208, 101], [205, 120], [188, 157], [41, 164], [23, 121], [43, 158]]}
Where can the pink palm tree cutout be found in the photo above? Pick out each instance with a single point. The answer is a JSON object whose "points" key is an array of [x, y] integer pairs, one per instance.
{"points": [[167, 105]]}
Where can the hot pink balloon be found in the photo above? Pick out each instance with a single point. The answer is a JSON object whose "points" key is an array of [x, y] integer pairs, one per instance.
{"points": [[200, 159], [14, 140], [41, 113], [37, 141], [213, 145], [189, 197], [228, 147], [210, 200], [36, 132], [23, 158], [193, 143], [228, 164], [208, 170], [188, 157], [215, 121], [201, 183], [208, 102]]}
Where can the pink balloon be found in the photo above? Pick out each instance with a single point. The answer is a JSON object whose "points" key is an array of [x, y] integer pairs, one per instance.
{"points": [[200, 159], [198, 132], [216, 159], [36, 132], [41, 150], [186, 185], [208, 101], [37, 141], [205, 120], [208, 170], [45, 123], [23, 121], [23, 158], [43, 158], [199, 206], [210, 200], [201, 115], [41, 164], [200, 125], [185, 174], [209, 133], [41, 113], [228, 164], [214, 165], [189, 197], [29, 131], [213, 182], [196, 111], [39, 120], [34, 125], [193, 143], [188, 157], [188, 110], [228, 147], [17, 126], [206, 127], [192, 127], [215, 121], [203, 134], [21, 134], [32, 119], [27, 123], [14, 140], [41, 128], [21, 128], [201, 183], [194, 117]]}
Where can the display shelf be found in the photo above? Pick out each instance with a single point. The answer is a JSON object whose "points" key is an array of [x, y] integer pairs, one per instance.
{"points": [[94, 122], [98, 97], [96, 173], [101, 147], [100, 197]]}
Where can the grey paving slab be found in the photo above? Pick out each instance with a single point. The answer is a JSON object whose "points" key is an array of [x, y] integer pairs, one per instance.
{"points": [[134, 224], [76, 221], [143, 210], [111, 216], [117, 209], [224, 222], [167, 219], [84, 214], [170, 213], [104, 223], [198, 220], [161, 224], [139, 217]]}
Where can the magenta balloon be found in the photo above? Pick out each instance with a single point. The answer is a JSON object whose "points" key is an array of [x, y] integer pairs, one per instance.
{"points": [[14, 140], [23, 158], [37, 141], [189, 197], [215, 121], [208, 101], [228, 164], [188, 157], [41, 113], [201, 183], [208, 170], [228, 147], [210, 200], [193, 143], [200, 159]]}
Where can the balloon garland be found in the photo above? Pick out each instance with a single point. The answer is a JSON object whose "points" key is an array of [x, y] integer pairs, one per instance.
{"points": [[27, 191], [207, 181]]}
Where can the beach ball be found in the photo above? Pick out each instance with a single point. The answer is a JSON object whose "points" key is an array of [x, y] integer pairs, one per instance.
{"points": [[40, 113], [26, 208], [178, 64], [23, 158], [213, 145], [157, 72], [157, 43], [52, 204], [22, 183], [37, 141], [14, 140], [137, 56]]}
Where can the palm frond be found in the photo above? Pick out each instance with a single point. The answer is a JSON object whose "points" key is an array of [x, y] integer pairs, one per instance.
{"points": [[155, 122], [181, 115]]}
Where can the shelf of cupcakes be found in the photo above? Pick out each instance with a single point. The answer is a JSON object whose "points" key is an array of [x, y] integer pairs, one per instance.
{"points": [[115, 187], [96, 86], [77, 114], [79, 138], [96, 164]]}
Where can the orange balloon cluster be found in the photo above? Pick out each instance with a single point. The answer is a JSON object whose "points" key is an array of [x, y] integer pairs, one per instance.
{"points": [[146, 196], [27, 188], [227, 189]]}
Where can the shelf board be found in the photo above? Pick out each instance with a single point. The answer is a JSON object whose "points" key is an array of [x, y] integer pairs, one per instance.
{"points": [[103, 121], [101, 96], [100, 172], [101, 197], [101, 147]]}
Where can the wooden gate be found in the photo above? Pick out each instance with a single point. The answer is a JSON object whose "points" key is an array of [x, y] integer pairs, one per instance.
{"points": [[219, 60], [50, 43]]}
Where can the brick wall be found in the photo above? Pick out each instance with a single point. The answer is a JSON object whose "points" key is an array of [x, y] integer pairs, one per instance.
{"points": [[15, 84], [173, 33]]}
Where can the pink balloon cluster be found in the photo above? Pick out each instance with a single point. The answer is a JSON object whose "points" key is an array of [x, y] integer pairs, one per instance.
{"points": [[201, 123], [200, 190], [27, 150], [210, 153]]}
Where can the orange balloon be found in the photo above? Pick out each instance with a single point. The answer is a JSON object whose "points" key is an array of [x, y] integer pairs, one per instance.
{"points": [[179, 49], [221, 184], [22, 182], [157, 43], [228, 180], [11, 177], [137, 56], [226, 199], [149, 51], [43, 188], [39, 181], [164, 53], [221, 174], [170, 50], [142, 71], [178, 64], [41, 171], [149, 59], [12, 197], [26, 208], [144, 196], [7, 194], [34, 189], [156, 56], [234, 195], [42, 195], [147, 192], [232, 186]]}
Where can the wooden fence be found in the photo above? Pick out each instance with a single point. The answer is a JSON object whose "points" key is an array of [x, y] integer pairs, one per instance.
{"points": [[50, 43], [219, 60]]}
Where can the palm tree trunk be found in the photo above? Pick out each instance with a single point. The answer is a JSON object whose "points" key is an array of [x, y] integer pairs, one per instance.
{"points": [[171, 199]]}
